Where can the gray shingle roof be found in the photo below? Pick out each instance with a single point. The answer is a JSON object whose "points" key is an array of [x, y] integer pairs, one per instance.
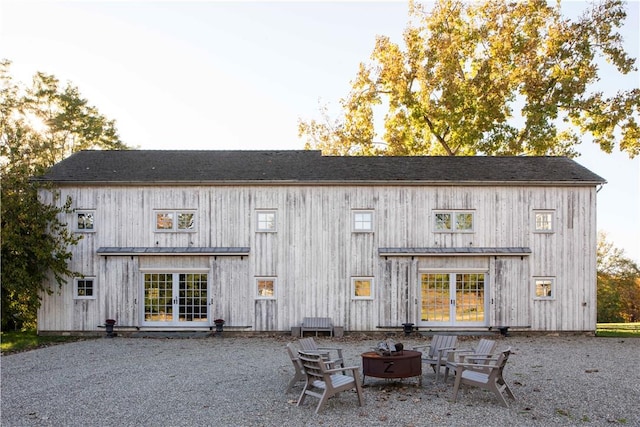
{"points": [[192, 166]]}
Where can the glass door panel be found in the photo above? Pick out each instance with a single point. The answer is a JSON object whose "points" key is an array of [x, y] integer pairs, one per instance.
{"points": [[469, 298], [175, 298], [158, 297], [435, 298], [452, 299], [193, 298]]}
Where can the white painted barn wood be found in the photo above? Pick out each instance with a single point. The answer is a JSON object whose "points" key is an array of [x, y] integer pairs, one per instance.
{"points": [[314, 254]]}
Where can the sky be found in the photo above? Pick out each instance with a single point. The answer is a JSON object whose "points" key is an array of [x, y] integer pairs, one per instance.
{"points": [[240, 75]]}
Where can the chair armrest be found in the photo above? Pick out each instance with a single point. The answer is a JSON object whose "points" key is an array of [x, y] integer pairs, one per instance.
{"points": [[474, 356], [476, 366], [444, 350], [416, 347], [458, 353], [462, 350], [347, 368], [485, 358]]}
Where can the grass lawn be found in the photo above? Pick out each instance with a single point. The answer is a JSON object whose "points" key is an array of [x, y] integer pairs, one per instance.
{"points": [[618, 329], [13, 342]]}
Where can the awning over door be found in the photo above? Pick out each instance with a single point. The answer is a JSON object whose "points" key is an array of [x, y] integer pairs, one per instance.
{"points": [[459, 251], [184, 251]]}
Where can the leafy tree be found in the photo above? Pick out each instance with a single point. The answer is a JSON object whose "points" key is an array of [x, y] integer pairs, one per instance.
{"points": [[618, 284], [39, 126], [467, 68]]}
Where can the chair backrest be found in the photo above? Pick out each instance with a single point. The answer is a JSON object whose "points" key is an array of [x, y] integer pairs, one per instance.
{"points": [[292, 354], [441, 341], [486, 346], [313, 365], [496, 372], [307, 344]]}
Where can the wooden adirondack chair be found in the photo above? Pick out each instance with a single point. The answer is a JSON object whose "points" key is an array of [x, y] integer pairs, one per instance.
{"points": [[323, 382], [297, 365], [486, 375], [331, 354], [438, 351], [483, 350]]}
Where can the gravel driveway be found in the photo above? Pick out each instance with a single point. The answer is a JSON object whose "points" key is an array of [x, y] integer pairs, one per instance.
{"points": [[557, 380]]}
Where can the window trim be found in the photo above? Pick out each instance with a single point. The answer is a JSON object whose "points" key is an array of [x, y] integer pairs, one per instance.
{"points": [[76, 296], [371, 288], [454, 228], [174, 226], [260, 229], [546, 212], [354, 213], [257, 288], [78, 212], [552, 288]]}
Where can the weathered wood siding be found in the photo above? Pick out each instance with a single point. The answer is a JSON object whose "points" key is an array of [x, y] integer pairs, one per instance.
{"points": [[314, 254]]}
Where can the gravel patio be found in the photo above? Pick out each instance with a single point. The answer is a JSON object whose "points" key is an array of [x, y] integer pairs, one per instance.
{"points": [[240, 381]]}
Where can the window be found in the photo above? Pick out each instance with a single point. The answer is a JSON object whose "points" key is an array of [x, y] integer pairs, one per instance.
{"points": [[362, 221], [461, 222], [544, 288], [544, 221], [84, 288], [266, 221], [362, 288], [266, 287], [176, 221], [85, 221]]}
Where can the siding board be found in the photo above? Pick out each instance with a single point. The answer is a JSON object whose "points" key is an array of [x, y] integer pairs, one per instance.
{"points": [[314, 253]]}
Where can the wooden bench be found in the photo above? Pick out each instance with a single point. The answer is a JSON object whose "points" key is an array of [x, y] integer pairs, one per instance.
{"points": [[316, 324]]}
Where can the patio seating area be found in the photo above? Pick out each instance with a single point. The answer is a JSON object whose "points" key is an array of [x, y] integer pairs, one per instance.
{"points": [[241, 381]]}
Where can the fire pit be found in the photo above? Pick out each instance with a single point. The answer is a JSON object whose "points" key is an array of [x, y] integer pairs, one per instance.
{"points": [[398, 364]]}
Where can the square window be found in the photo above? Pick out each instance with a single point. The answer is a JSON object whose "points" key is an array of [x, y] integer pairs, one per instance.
{"points": [[85, 221], [84, 288], [362, 221], [164, 221], [544, 222], [175, 221], [443, 221], [266, 221], [362, 287], [185, 220], [460, 222], [544, 289], [266, 287], [464, 221]]}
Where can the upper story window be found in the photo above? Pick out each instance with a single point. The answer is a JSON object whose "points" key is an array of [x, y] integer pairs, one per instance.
{"points": [[544, 221], [84, 288], [266, 221], [266, 287], [362, 221], [362, 288], [453, 221], [544, 288], [85, 221], [176, 221]]}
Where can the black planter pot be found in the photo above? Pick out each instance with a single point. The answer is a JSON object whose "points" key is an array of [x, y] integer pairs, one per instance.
{"points": [[408, 328], [108, 324], [219, 328]]}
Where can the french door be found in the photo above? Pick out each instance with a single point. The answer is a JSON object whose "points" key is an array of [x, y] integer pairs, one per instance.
{"points": [[176, 299], [452, 299]]}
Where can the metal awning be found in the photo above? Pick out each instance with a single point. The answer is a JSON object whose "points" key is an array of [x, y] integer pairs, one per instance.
{"points": [[455, 251], [177, 251]]}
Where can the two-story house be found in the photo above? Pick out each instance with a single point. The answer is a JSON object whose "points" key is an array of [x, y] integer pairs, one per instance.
{"points": [[175, 239]]}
